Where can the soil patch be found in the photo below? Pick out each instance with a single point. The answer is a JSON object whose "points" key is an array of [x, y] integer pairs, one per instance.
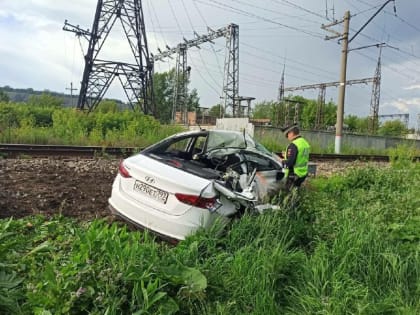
{"points": [[72, 187], [77, 187]]}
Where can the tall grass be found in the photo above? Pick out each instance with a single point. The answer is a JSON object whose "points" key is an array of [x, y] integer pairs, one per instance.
{"points": [[342, 245], [20, 123]]}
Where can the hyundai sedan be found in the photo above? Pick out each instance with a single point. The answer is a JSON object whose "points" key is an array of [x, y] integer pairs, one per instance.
{"points": [[187, 180]]}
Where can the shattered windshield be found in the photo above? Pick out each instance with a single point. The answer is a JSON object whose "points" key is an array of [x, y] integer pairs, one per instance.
{"points": [[219, 139], [228, 139]]}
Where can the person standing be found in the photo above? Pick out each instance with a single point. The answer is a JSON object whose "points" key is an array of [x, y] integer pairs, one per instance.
{"points": [[296, 157]]}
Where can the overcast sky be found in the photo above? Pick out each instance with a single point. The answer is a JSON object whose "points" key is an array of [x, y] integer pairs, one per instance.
{"points": [[273, 34]]}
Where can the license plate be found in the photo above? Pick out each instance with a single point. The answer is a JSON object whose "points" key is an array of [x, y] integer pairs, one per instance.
{"points": [[151, 191]]}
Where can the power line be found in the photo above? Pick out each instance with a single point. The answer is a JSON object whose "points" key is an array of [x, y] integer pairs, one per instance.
{"points": [[179, 27], [274, 11], [245, 13], [212, 46], [289, 59], [302, 8], [201, 57]]}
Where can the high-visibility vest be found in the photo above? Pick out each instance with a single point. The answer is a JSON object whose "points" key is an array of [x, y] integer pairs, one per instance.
{"points": [[301, 166]]}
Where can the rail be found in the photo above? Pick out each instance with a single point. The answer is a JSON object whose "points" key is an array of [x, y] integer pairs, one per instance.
{"points": [[34, 150]]}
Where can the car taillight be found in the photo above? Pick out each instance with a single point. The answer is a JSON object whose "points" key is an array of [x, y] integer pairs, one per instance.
{"points": [[197, 201], [123, 171]]}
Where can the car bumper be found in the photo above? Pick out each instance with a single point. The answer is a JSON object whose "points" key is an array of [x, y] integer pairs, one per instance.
{"points": [[173, 226]]}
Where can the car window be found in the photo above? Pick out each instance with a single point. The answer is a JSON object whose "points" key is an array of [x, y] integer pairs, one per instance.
{"points": [[261, 162], [180, 145], [199, 144], [226, 139]]}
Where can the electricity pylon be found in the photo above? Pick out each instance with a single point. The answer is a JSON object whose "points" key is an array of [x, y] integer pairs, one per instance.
{"points": [[136, 79]]}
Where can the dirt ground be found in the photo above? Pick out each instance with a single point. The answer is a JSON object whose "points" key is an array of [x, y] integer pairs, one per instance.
{"points": [[73, 187]]}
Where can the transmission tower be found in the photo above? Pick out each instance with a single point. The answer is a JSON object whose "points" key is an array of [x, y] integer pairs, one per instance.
{"points": [[231, 70], [319, 119], [280, 108], [418, 124], [182, 72], [291, 109], [402, 117], [376, 95], [136, 79], [321, 97]]}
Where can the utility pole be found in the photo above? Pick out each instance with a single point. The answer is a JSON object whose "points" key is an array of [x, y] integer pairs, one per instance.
{"points": [[342, 87], [71, 89], [344, 37], [344, 52]]}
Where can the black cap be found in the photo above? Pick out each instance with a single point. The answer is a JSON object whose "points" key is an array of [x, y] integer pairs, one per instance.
{"points": [[286, 130]]}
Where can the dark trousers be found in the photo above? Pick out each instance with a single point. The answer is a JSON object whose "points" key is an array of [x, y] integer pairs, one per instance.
{"points": [[294, 181]]}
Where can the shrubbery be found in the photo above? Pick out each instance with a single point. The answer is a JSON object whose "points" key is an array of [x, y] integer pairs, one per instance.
{"points": [[37, 124], [344, 245]]}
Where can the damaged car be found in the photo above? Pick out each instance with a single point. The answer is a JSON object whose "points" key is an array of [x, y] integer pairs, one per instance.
{"points": [[187, 180]]}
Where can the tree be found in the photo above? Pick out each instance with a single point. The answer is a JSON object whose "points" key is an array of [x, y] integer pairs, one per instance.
{"points": [[357, 124], [264, 110], [164, 89], [163, 92], [193, 100], [45, 100], [107, 106], [216, 111], [393, 128], [4, 97]]}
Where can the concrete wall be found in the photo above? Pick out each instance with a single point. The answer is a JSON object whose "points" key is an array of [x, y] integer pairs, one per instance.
{"points": [[325, 140]]}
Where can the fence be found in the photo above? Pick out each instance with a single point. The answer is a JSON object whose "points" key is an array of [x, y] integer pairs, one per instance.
{"points": [[325, 140]]}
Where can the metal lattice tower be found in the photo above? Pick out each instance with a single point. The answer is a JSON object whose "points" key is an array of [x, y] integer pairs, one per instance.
{"points": [[418, 124], [322, 87], [136, 79], [402, 117], [281, 88], [231, 70], [280, 110], [291, 109], [376, 95], [319, 119], [231, 74], [182, 72]]}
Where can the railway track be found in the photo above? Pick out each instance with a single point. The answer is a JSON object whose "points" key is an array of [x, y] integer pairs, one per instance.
{"points": [[22, 150]]}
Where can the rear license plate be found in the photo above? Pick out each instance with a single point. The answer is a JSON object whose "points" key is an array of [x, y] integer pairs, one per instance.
{"points": [[152, 192]]}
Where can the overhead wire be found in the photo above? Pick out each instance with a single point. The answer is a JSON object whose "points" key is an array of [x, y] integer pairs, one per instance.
{"points": [[274, 11], [290, 59], [199, 73], [199, 52], [218, 4], [212, 46], [225, 7], [294, 5], [151, 6]]}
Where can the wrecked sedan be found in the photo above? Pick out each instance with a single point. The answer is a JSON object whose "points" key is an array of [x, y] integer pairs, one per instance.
{"points": [[187, 180]]}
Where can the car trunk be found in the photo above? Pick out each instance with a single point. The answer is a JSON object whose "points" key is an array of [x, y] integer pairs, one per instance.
{"points": [[154, 184]]}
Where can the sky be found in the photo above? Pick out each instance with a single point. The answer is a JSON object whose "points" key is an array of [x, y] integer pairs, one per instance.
{"points": [[274, 36]]}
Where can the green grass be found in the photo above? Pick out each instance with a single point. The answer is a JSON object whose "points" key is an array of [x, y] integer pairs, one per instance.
{"points": [[343, 245]]}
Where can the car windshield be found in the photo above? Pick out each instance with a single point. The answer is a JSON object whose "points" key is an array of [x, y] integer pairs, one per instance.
{"points": [[218, 139]]}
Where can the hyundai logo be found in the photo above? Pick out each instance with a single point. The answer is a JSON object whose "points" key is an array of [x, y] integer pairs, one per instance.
{"points": [[149, 179]]}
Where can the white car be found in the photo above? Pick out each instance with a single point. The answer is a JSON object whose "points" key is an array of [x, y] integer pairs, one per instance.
{"points": [[185, 181]]}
